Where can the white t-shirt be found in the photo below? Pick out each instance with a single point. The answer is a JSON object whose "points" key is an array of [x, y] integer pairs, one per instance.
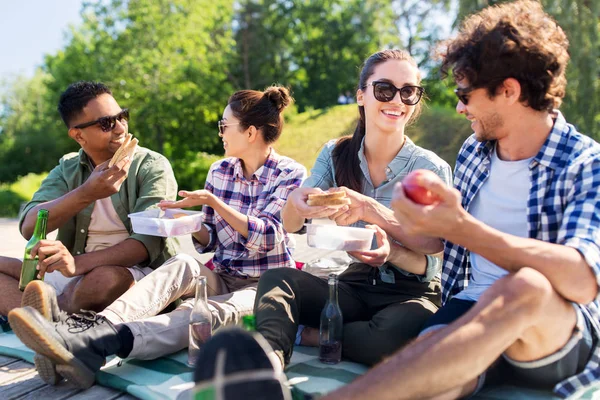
{"points": [[106, 228], [502, 204]]}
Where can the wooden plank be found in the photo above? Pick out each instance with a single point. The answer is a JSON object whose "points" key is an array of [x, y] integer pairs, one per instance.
{"points": [[17, 379], [97, 392], [4, 360], [14, 371], [63, 390]]}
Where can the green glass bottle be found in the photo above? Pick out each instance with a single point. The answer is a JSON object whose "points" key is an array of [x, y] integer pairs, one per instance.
{"points": [[29, 269], [249, 322]]}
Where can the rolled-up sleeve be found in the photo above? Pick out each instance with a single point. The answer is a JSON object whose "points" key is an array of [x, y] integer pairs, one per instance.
{"points": [[580, 227], [53, 187], [265, 231]]}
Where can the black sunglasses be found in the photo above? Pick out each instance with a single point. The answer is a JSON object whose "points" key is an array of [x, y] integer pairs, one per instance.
{"points": [[108, 123], [222, 124], [385, 91], [462, 94]]}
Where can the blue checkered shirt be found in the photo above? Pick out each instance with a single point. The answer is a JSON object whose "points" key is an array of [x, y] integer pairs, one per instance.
{"points": [[563, 208], [261, 198]]}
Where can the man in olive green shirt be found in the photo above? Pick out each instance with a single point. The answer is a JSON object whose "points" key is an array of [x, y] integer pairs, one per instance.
{"points": [[96, 256]]}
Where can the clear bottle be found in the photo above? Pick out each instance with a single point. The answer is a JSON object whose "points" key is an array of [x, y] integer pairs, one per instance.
{"points": [[29, 270], [330, 332], [200, 321]]}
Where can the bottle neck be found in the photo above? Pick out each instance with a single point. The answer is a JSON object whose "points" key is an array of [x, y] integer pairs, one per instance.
{"points": [[333, 291], [201, 289], [40, 227]]}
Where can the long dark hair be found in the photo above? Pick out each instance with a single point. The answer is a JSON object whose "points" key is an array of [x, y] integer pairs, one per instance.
{"points": [[345, 153]]}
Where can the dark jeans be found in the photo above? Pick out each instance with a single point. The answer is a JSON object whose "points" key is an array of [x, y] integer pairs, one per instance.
{"points": [[378, 319]]}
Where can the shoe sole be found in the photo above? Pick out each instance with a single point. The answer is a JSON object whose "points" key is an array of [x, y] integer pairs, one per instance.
{"points": [[33, 335], [35, 296]]}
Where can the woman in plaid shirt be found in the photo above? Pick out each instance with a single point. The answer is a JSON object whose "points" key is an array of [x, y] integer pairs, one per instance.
{"points": [[242, 199]]}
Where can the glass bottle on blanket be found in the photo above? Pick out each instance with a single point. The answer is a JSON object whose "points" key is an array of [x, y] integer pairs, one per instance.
{"points": [[200, 321], [330, 331], [29, 270]]}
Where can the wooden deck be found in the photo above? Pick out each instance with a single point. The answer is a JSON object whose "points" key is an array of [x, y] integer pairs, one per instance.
{"points": [[19, 380]]}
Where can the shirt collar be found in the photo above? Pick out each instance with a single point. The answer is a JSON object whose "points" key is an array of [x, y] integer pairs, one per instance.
{"points": [[398, 163], [84, 159], [550, 155], [261, 174]]}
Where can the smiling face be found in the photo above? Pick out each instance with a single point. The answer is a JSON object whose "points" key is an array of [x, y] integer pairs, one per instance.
{"points": [[483, 112], [235, 139], [98, 145], [388, 117]]}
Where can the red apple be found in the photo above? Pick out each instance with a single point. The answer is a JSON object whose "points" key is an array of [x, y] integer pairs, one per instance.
{"points": [[413, 186]]}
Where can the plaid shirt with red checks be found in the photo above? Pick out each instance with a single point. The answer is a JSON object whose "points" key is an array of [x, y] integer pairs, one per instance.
{"points": [[261, 198]]}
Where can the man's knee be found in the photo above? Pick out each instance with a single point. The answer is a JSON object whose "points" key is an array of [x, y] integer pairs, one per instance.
{"points": [[184, 266], [100, 287], [10, 266], [527, 288]]}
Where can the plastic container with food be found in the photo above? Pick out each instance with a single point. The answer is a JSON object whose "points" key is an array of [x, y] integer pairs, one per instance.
{"points": [[173, 222], [333, 237]]}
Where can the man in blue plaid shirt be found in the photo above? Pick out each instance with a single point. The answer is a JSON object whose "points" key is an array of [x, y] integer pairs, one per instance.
{"points": [[522, 257]]}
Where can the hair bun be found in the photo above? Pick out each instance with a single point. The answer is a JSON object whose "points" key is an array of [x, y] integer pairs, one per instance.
{"points": [[279, 96]]}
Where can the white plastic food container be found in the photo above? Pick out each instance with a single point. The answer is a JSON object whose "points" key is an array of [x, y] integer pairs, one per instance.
{"points": [[148, 222], [333, 237]]}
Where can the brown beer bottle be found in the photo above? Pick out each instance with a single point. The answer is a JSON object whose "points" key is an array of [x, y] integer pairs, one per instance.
{"points": [[29, 269]]}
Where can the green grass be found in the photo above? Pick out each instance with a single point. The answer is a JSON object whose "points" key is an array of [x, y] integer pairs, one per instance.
{"points": [[305, 134], [14, 194]]}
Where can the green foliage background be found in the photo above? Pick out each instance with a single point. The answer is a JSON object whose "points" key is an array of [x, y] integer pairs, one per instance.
{"points": [[175, 62]]}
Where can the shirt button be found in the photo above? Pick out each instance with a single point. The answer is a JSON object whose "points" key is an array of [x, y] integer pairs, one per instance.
{"points": [[83, 231], [388, 170], [78, 252]]}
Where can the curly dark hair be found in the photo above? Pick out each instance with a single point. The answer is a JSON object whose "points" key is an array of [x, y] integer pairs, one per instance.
{"points": [[512, 40], [73, 100]]}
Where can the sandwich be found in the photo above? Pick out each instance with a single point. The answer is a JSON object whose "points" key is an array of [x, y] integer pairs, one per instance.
{"points": [[336, 198], [127, 149]]}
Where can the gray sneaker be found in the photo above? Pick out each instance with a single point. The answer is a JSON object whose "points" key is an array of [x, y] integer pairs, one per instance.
{"points": [[78, 345], [42, 297]]}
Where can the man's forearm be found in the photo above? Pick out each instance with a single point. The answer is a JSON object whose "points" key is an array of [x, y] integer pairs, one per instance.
{"points": [[60, 210], [128, 253], [383, 217], [563, 266]]}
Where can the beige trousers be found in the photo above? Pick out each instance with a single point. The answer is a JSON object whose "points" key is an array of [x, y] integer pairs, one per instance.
{"points": [[229, 299]]}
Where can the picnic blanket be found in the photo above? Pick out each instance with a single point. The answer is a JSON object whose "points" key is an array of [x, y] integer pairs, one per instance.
{"points": [[170, 377]]}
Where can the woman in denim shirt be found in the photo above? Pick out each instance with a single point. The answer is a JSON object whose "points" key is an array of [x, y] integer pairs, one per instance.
{"points": [[389, 292]]}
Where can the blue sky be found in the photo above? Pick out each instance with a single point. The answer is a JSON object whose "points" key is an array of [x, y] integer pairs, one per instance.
{"points": [[29, 29]]}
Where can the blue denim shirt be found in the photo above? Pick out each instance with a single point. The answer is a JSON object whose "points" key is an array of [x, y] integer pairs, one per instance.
{"points": [[409, 158]]}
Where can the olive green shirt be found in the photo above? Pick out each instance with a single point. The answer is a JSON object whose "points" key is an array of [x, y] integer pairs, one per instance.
{"points": [[150, 180]]}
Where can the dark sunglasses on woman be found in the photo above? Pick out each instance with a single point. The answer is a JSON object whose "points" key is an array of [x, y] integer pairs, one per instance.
{"points": [[385, 91], [222, 124], [109, 122]]}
